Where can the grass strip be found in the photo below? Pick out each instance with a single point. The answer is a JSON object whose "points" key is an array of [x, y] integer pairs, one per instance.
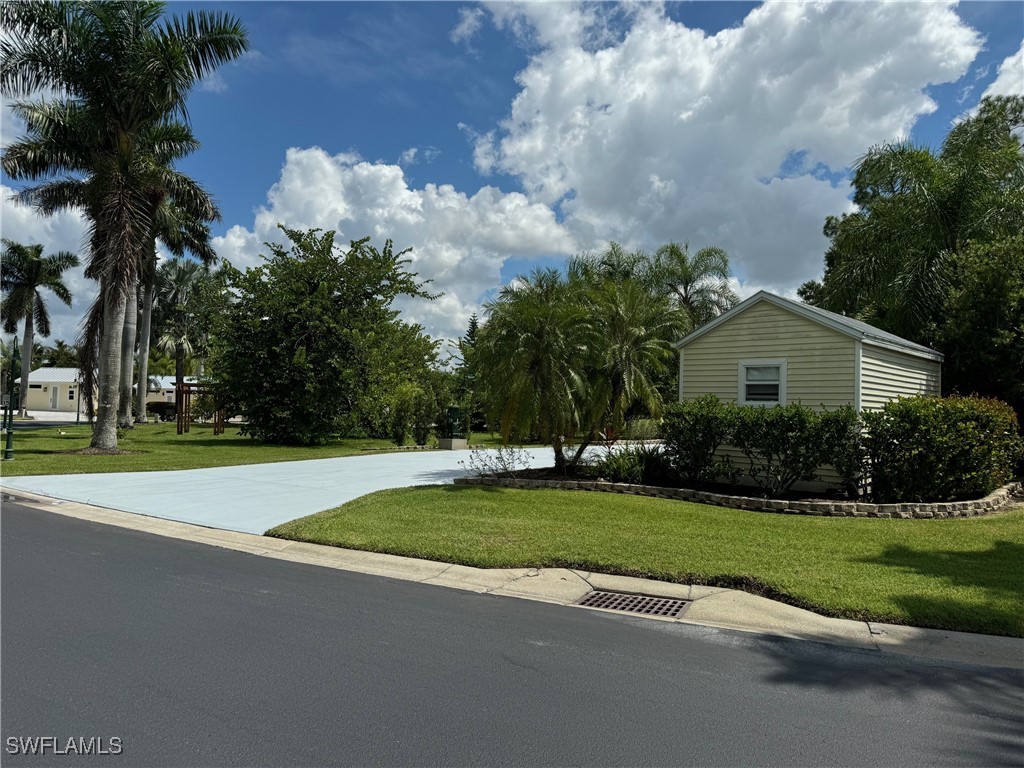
{"points": [[959, 574]]}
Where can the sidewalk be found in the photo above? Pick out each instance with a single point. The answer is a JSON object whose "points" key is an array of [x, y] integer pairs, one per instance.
{"points": [[709, 606]]}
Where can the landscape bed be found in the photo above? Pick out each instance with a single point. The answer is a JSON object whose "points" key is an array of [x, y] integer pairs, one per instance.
{"points": [[959, 574]]}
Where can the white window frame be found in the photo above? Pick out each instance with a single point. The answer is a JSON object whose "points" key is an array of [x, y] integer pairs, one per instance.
{"points": [[741, 380]]}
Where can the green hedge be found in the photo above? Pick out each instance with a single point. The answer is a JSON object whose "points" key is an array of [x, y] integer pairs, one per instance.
{"points": [[924, 449], [914, 449], [692, 432]]}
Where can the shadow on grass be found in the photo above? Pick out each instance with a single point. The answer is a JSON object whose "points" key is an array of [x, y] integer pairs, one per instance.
{"points": [[994, 696], [997, 571]]}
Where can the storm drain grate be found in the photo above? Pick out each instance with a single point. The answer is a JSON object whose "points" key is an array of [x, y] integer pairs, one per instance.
{"points": [[643, 604]]}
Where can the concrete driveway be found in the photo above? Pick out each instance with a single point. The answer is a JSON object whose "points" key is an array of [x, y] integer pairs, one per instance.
{"points": [[255, 497]]}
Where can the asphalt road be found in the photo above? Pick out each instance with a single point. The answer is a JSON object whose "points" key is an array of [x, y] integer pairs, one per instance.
{"points": [[193, 655]]}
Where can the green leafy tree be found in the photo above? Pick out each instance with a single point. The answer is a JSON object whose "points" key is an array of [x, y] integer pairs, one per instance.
{"points": [[311, 338], [895, 260], [61, 355], [24, 274], [467, 376], [983, 326], [630, 327], [121, 74]]}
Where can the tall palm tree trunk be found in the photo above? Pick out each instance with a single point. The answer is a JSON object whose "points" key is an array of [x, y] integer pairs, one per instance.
{"points": [[26, 364], [144, 334], [131, 318], [104, 434]]}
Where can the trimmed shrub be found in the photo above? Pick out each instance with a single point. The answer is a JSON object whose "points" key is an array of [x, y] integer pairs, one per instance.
{"points": [[783, 444], [693, 431], [926, 449], [841, 437]]}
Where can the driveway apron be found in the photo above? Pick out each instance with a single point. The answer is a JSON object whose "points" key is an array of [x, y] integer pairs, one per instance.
{"points": [[255, 497]]}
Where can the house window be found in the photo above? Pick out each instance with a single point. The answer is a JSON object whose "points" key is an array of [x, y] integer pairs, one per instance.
{"points": [[762, 382], [35, 386], [71, 394]]}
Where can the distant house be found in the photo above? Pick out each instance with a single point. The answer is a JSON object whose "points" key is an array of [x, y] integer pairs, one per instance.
{"points": [[768, 350], [161, 388], [54, 389]]}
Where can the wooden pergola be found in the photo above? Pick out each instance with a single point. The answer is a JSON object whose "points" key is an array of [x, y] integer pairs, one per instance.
{"points": [[183, 405]]}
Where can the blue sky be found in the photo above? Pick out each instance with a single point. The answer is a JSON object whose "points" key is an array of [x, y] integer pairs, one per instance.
{"points": [[493, 138]]}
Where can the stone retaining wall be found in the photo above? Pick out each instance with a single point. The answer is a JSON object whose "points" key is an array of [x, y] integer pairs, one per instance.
{"points": [[991, 503]]}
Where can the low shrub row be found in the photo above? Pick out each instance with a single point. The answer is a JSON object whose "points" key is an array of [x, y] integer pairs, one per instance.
{"points": [[920, 449], [941, 449]]}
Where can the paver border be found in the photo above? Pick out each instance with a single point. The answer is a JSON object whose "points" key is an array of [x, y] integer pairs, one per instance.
{"points": [[993, 502]]}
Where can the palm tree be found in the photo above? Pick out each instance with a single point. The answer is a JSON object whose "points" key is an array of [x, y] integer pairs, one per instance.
{"points": [[24, 272], [61, 355], [632, 333], [122, 75], [894, 260], [179, 231], [177, 282], [179, 221], [528, 353], [698, 282]]}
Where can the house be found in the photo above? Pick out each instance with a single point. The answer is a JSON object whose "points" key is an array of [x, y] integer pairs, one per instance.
{"points": [[769, 350], [161, 388], [53, 389]]}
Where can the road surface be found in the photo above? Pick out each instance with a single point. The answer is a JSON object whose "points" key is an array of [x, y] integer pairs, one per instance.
{"points": [[192, 655]]}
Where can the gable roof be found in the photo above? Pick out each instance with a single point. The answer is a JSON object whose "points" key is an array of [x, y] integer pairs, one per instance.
{"points": [[52, 376], [847, 326]]}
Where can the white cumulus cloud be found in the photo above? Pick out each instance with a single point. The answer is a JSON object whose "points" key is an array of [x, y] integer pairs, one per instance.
{"points": [[459, 241], [1009, 77], [643, 130]]}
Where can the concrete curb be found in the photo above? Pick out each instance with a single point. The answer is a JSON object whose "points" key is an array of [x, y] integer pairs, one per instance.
{"points": [[710, 606], [994, 502]]}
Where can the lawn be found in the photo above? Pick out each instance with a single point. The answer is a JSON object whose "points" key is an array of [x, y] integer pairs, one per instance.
{"points": [[155, 446], [963, 574]]}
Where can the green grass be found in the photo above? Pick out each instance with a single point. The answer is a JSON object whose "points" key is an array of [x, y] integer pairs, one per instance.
{"points": [[152, 447], [157, 446], [965, 574]]}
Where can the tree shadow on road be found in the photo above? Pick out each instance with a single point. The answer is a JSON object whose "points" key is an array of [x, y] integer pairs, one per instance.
{"points": [[994, 695]]}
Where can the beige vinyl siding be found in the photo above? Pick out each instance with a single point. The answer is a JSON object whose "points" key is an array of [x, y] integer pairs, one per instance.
{"points": [[888, 374], [820, 365], [820, 361]]}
